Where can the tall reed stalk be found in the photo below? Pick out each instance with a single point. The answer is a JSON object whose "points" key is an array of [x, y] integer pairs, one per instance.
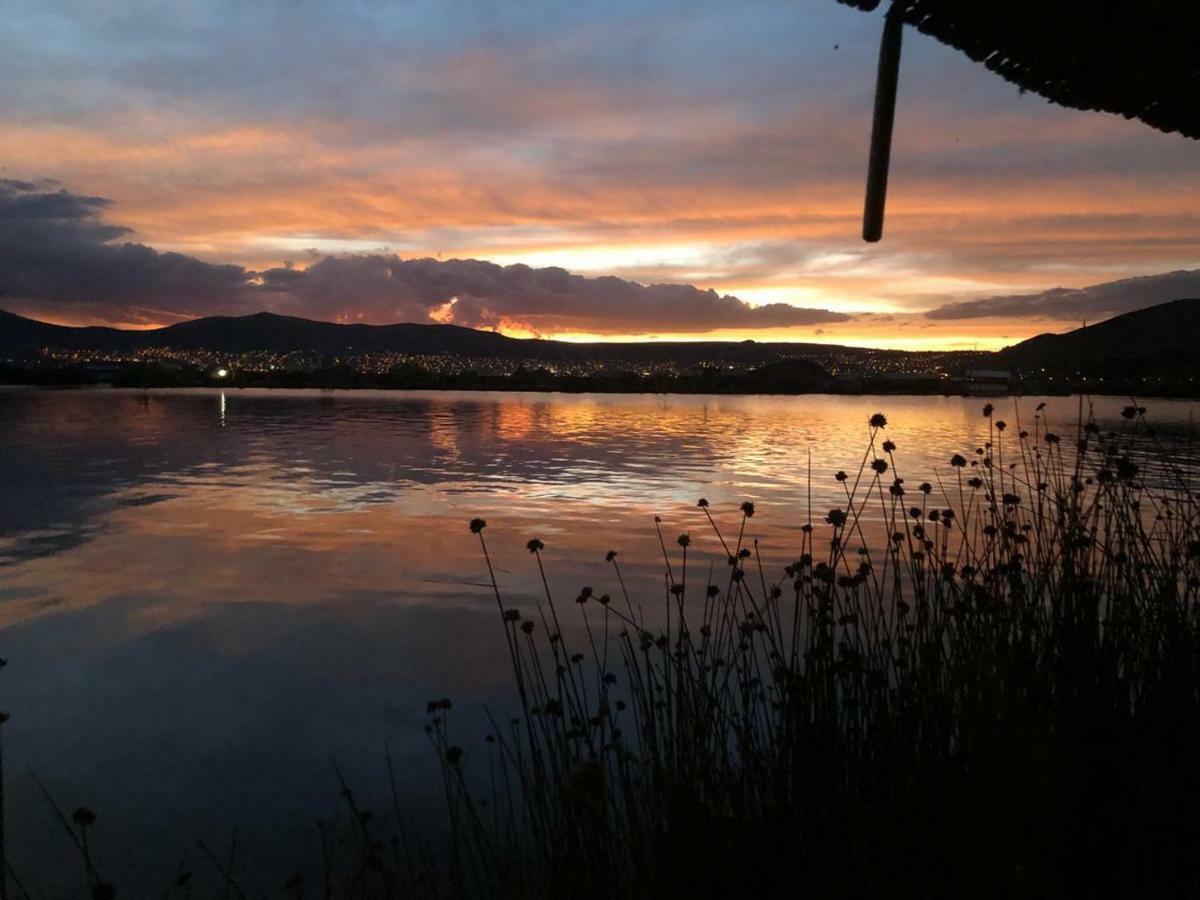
{"points": [[983, 685]]}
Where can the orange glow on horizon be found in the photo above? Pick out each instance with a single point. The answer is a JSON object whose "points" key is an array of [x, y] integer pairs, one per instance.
{"points": [[256, 196], [951, 336], [912, 332]]}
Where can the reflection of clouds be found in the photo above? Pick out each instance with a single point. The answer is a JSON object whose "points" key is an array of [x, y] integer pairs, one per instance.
{"points": [[219, 610], [81, 461], [36, 544], [443, 429], [304, 495]]}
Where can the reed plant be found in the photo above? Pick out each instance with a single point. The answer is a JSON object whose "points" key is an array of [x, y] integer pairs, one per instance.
{"points": [[987, 684]]}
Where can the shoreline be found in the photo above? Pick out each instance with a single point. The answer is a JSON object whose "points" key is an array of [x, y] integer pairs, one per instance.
{"points": [[369, 388]]}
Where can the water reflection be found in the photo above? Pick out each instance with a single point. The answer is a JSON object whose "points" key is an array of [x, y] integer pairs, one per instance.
{"points": [[204, 595]]}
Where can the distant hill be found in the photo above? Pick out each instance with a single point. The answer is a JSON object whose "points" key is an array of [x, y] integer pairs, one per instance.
{"points": [[18, 334], [262, 331], [1160, 340], [276, 333]]}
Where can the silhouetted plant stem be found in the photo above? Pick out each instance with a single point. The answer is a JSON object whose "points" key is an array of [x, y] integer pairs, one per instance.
{"points": [[1046, 599]]}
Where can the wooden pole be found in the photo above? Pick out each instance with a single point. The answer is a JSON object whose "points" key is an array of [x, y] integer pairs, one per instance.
{"points": [[881, 127]]}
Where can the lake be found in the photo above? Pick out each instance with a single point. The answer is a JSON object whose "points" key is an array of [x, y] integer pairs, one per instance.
{"points": [[207, 596]]}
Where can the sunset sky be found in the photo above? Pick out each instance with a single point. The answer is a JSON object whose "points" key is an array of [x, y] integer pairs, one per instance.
{"points": [[392, 161]]}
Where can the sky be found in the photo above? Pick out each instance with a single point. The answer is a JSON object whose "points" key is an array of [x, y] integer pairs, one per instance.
{"points": [[581, 170]]}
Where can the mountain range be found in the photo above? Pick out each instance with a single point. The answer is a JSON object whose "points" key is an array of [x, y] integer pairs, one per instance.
{"points": [[281, 334], [1159, 340]]}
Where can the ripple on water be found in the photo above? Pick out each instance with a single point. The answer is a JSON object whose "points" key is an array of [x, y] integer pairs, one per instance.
{"points": [[249, 581]]}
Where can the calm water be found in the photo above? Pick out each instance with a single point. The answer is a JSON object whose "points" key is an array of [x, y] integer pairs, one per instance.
{"points": [[206, 596]]}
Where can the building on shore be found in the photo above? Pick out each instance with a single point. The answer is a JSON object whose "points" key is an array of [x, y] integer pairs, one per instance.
{"points": [[988, 381]]}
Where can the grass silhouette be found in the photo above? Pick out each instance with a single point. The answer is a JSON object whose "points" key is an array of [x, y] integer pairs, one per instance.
{"points": [[983, 687]]}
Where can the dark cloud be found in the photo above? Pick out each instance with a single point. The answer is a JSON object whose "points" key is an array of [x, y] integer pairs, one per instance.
{"points": [[56, 252], [481, 294], [1096, 301]]}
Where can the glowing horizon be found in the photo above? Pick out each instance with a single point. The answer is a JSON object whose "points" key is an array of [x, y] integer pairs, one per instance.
{"points": [[977, 340]]}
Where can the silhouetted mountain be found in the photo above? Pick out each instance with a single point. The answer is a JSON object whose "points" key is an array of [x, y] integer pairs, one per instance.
{"points": [[1159, 340], [281, 334], [262, 331], [19, 334]]}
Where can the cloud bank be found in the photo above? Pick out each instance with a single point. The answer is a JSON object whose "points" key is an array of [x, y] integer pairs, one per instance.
{"points": [[57, 252], [548, 300], [58, 256], [1098, 300]]}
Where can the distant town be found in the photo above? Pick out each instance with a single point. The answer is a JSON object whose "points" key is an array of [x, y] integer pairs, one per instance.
{"points": [[836, 369], [266, 350], [849, 362]]}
